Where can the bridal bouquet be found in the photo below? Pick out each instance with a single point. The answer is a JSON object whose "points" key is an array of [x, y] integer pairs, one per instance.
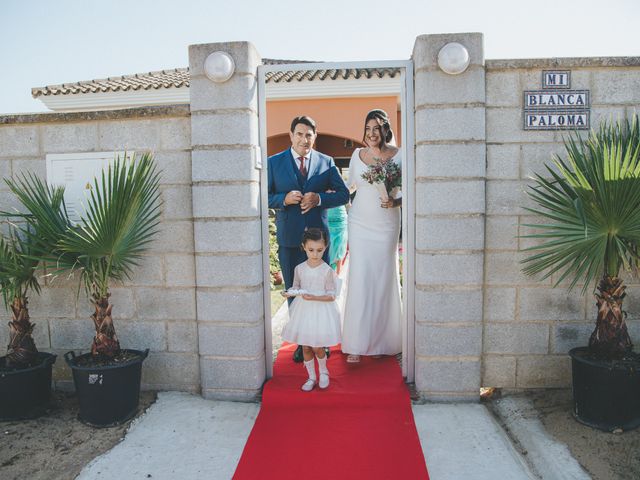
{"points": [[386, 176]]}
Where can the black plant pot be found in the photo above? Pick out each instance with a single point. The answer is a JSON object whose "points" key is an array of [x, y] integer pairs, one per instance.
{"points": [[606, 394], [26, 393], [107, 395]]}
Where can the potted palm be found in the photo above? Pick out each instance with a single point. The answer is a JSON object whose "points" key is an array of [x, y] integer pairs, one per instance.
{"points": [[120, 219], [591, 205], [25, 373]]}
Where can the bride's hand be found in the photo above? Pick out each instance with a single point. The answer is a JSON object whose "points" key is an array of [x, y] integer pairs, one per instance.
{"points": [[388, 204]]}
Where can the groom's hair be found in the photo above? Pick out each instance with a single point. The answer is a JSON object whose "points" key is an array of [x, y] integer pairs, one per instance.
{"points": [[308, 121], [315, 234]]}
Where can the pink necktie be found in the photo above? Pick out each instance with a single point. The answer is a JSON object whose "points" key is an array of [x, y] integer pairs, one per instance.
{"points": [[303, 169]]}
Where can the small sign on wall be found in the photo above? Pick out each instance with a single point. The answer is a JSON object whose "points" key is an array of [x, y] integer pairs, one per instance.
{"points": [[556, 107]]}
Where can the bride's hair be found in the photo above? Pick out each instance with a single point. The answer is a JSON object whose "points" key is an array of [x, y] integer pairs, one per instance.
{"points": [[385, 127], [315, 234]]}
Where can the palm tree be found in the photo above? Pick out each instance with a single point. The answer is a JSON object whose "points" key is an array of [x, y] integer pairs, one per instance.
{"points": [[120, 219], [591, 205]]}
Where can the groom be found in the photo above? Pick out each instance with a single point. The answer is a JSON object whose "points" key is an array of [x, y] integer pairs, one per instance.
{"points": [[298, 179]]}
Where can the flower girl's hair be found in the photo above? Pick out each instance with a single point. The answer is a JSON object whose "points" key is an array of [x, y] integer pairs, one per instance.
{"points": [[315, 234]]}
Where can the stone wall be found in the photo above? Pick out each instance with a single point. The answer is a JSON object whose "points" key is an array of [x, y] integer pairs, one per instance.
{"points": [[529, 326], [157, 308]]}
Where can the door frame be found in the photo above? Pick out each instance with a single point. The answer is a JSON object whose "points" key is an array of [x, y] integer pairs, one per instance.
{"points": [[408, 197]]}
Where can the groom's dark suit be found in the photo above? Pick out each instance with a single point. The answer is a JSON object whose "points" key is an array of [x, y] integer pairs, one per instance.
{"points": [[284, 176]]}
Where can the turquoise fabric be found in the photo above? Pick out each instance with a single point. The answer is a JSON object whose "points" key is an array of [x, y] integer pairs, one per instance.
{"points": [[337, 221]]}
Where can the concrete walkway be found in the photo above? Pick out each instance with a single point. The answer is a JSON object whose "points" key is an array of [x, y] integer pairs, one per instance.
{"points": [[184, 436]]}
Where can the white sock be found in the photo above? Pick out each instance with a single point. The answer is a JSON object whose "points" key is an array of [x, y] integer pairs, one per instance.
{"points": [[311, 369], [322, 365]]}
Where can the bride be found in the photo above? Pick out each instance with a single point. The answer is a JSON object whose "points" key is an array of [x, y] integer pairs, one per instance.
{"points": [[372, 312]]}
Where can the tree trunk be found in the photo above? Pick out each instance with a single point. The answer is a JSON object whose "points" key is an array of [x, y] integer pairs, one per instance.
{"points": [[22, 351], [610, 338], [105, 342]]}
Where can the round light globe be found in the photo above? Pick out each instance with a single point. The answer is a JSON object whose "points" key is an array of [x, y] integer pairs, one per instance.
{"points": [[219, 67], [453, 58]]}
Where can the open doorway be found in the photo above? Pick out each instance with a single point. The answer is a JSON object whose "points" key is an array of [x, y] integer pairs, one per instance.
{"points": [[339, 103]]}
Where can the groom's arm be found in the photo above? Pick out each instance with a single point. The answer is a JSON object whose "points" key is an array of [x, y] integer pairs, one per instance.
{"points": [[340, 192], [276, 199]]}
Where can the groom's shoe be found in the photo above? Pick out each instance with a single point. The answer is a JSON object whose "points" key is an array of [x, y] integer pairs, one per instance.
{"points": [[297, 355]]}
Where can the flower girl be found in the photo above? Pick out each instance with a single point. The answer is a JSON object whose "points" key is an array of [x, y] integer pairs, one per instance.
{"points": [[314, 318]]}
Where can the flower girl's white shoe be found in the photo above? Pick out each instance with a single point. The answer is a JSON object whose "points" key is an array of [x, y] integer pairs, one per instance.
{"points": [[308, 385], [324, 380]]}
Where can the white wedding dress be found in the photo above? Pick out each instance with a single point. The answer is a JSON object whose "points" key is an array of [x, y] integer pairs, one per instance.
{"points": [[372, 314]]}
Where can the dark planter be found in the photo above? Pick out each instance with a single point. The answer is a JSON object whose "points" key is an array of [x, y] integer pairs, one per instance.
{"points": [[25, 393], [108, 395], [606, 394]]}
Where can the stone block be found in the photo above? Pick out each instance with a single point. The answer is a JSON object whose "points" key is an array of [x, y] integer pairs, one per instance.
{"points": [[10, 202], [444, 340], [450, 124], [615, 86], [450, 161], [543, 372], [506, 125], [176, 202], [607, 114], [435, 87], [449, 306], [228, 395], [233, 374], [224, 165], [149, 272], [436, 197], [516, 338], [239, 92], [5, 172], [503, 89], [498, 371], [142, 335], [165, 303], [231, 341], [169, 369], [555, 304], [504, 268], [535, 157], [447, 376], [69, 137], [182, 336], [180, 270], [228, 236], [122, 301], [426, 48], [507, 197], [175, 167], [233, 128], [501, 232], [36, 166], [54, 303], [226, 201], [72, 334], [229, 270], [129, 135], [565, 336], [19, 141], [175, 133], [230, 306], [244, 54], [439, 269], [503, 161], [526, 228], [174, 237], [457, 233], [499, 304]]}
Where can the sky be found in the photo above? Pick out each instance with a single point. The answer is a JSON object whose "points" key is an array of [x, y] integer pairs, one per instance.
{"points": [[45, 42]]}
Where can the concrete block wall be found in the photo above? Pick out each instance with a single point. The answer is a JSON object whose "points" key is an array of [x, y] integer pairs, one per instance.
{"points": [[156, 309], [529, 325], [450, 206], [227, 225]]}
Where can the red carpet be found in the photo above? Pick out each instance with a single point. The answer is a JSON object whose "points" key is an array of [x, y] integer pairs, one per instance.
{"points": [[361, 427]]}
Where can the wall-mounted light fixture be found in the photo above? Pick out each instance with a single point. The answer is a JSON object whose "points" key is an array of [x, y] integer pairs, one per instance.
{"points": [[453, 58], [219, 67]]}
